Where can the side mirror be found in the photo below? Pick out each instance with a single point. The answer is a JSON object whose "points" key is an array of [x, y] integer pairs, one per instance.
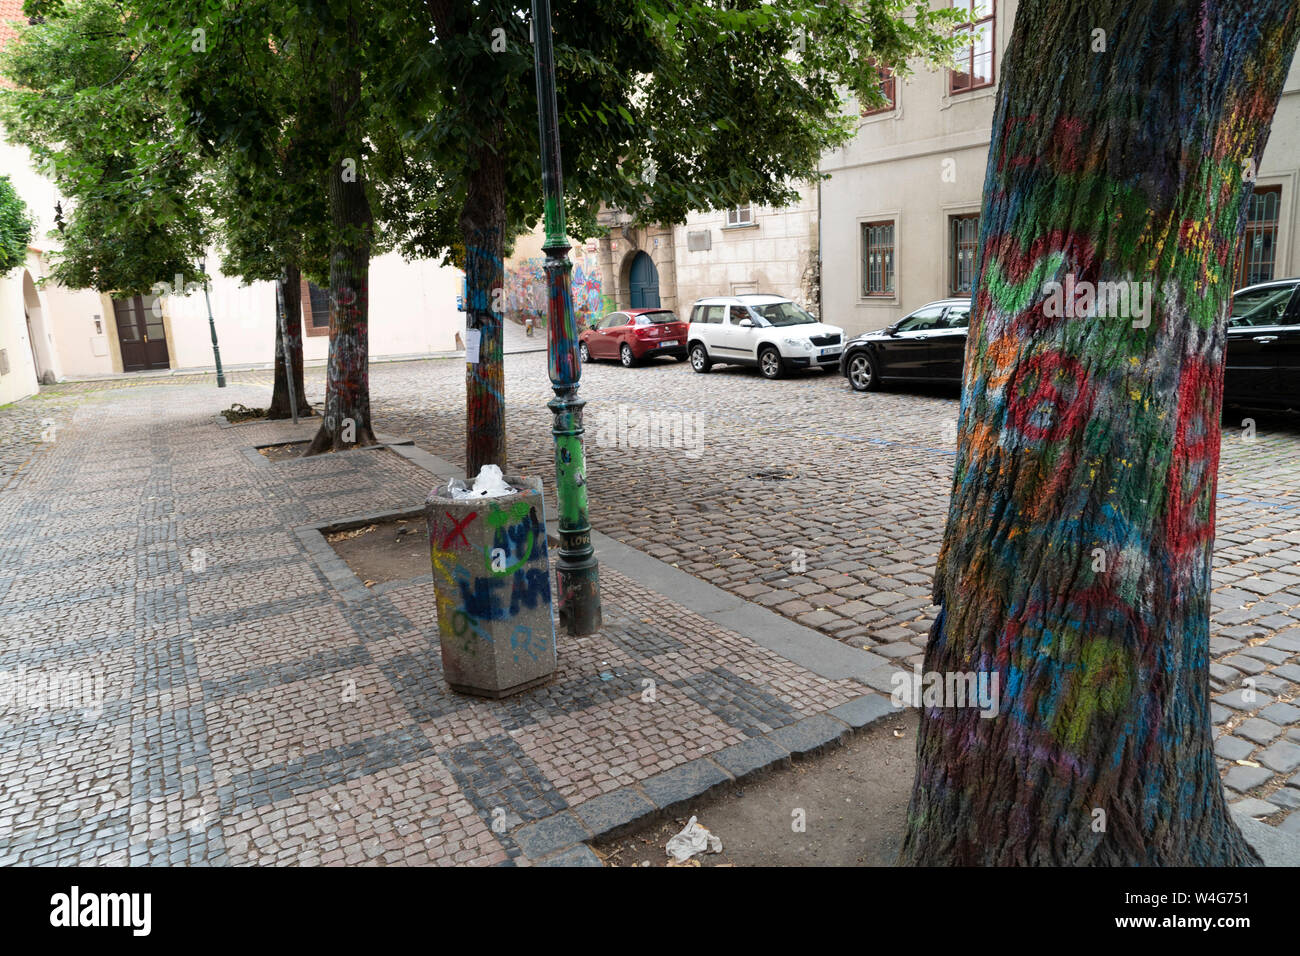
{"points": [[892, 330], [745, 324]]}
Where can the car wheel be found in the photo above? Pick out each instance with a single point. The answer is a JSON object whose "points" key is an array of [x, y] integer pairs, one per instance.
{"points": [[625, 356], [583, 353], [769, 363], [862, 372], [700, 358]]}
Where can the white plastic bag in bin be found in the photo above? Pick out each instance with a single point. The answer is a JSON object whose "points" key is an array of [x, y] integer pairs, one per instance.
{"points": [[490, 483]]}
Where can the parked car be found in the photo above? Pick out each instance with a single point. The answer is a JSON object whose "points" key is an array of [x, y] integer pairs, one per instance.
{"points": [[929, 345], [766, 331], [632, 335]]}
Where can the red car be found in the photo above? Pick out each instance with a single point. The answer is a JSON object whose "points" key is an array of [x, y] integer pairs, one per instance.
{"points": [[633, 334]]}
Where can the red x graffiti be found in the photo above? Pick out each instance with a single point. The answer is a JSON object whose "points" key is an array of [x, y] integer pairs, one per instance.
{"points": [[458, 530]]}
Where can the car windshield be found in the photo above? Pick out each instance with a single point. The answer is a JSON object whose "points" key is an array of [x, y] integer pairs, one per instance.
{"points": [[784, 313], [658, 318], [1260, 306]]}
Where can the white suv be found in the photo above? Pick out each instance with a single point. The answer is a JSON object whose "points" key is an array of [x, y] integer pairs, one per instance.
{"points": [[764, 330]]}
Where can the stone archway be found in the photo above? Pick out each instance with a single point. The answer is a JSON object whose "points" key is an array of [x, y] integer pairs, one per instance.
{"points": [[38, 332]]}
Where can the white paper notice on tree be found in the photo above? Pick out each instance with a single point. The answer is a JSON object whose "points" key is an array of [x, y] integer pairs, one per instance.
{"points": [[472, 337]]}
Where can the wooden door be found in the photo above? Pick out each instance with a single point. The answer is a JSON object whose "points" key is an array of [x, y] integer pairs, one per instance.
{"points": [[141, 336]]}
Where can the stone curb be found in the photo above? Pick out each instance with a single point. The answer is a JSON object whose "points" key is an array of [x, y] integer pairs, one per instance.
{"points": [[559, 839], [666, 794]]}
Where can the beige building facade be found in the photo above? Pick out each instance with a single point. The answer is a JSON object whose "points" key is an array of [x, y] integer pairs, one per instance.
{"points": [[900, 209]]}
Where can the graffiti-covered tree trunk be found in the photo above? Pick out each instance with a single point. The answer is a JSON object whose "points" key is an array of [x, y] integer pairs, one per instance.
{"points": [[280, 405], [1075, 567], [347, 378], [483, 226]]}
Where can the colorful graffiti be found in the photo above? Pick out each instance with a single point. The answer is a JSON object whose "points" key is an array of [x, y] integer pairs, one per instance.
{"points": [[525, 294], [492, 592], [1076, 558]]}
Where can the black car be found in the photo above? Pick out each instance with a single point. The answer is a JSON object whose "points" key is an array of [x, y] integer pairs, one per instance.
{"points": [[929, 345]]}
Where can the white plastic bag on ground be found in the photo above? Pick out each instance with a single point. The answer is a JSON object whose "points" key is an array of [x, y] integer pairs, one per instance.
{"points": [[490, 483], [692, 840]]}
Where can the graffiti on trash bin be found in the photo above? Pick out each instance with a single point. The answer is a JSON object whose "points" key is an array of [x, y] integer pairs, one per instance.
{"points": [[495, 585]]}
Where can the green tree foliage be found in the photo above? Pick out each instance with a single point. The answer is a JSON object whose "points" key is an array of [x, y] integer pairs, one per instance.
{"points": [[665, 107], [89, 104], [15, 228]]}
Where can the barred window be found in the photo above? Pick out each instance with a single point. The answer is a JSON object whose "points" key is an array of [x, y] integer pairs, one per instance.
{"points": [[878, 258], [1258, 250], [964, 235]]}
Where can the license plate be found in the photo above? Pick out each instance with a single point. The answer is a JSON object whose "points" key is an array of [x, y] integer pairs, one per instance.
{"points": [[834, 350], [664, 345]]}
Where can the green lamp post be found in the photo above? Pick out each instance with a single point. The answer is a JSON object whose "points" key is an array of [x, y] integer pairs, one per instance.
{"points": [[577, 572]]}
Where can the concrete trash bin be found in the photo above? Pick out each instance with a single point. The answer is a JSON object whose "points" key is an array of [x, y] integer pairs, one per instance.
{"points": [[492, 584]]}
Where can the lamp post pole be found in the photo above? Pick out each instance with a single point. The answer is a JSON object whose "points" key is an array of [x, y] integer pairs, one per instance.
{"points": [[212, 327], [576, 569]]}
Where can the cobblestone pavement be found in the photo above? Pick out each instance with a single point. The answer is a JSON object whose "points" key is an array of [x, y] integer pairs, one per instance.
{"points": [[853, 488], [804, 474], [220, 700]]}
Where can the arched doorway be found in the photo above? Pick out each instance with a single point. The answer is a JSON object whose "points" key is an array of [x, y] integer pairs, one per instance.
{"points": [[643, 283], [38, 335]]}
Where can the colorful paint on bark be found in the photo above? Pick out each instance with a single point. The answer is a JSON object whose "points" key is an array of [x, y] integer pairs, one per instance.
{"points": [[485, 378], [1076, 559]]}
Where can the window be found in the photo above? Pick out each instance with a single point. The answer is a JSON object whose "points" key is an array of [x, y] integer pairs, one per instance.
{"points": [[975, 60], [922, 320], [1255, 256], [877, 258], [741, 216], [315, 308], [738, 314], [886, 90], [1267, 306], [963, 235], [782, 314], [958, 317], [713, 314]]}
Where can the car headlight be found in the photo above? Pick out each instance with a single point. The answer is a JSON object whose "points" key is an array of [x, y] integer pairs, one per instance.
{"points": [[799, 344]]}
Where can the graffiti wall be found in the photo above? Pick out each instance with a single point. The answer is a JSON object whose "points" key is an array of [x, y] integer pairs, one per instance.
{"points": [[526, 287]]}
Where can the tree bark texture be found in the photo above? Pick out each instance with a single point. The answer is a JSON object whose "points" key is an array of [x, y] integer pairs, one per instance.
{"points": [[483, 226], [347, 384], [1076, 560], [280, 407]]}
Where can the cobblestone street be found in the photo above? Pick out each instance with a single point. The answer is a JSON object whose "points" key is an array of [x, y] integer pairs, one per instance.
{"points": [[862, 511], [144, 544]]}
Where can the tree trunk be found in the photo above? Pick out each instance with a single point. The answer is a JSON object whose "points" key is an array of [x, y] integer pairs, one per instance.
{"points": [[280, 407], [1075, 567], [347, 384], [483, 226]]}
